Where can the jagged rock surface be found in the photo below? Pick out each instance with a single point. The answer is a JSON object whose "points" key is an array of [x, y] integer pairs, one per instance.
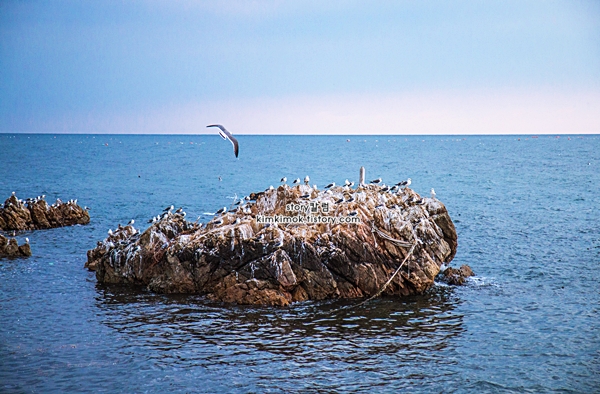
{"points": [[244, 261], [456, 277], [9, 247], [36, 214]]}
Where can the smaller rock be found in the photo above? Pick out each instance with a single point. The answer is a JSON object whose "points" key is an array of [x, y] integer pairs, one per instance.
{"points": [[35, 214], [456, 277], [9, 247]]}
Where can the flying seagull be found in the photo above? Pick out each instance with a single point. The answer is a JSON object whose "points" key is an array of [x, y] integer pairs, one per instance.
{"points": [[227, 135]]}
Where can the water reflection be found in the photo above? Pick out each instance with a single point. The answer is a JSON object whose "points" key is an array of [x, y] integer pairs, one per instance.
{"points": [[387, 337]]}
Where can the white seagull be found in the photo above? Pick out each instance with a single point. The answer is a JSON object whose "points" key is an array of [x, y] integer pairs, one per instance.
{"points": [[227, 135], [432, 193]]}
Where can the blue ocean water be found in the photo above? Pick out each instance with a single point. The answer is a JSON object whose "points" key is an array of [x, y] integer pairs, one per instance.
{"points": [[527, 215]]}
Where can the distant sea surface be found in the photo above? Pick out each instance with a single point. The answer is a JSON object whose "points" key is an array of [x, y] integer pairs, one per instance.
{"points": [[527, 213]]}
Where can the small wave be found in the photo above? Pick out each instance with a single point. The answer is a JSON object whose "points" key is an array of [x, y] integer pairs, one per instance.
{"points": [[481, 281]]}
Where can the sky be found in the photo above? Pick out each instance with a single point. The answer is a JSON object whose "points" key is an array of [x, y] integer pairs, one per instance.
{"points": [[300, 67]]}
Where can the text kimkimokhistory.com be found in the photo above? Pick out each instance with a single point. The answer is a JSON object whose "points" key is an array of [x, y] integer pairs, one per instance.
{"points": [[309, 219]]}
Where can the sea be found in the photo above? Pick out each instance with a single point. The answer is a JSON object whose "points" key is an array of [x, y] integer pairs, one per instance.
{"points": [[527, 214]]}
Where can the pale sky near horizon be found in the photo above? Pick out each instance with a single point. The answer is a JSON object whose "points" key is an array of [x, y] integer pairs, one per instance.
{"points": [[300, 67]]}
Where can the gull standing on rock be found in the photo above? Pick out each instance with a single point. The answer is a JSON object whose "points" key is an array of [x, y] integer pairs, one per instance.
{"points": [[283, 180], [296, 181], [306, 180], [432, 193], [405, 183], [361, 176], [226, 135]]}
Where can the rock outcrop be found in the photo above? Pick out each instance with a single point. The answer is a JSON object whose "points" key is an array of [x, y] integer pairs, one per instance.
{"points": [[9, 247], [289, 244], [456, 277], [36, 214]]}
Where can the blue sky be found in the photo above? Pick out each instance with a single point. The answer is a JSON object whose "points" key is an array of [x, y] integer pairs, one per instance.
{"points": [[274, 67]]}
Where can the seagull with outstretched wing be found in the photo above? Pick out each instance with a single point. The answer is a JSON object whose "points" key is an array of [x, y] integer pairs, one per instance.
{"points": [[226, 135]]}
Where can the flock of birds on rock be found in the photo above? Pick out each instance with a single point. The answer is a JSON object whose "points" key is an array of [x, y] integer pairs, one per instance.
{"points": [[32, 201], [244, 204]]}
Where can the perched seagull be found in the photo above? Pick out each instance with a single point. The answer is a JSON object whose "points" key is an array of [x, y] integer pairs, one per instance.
{"points": [[168, 209], [361, 176], [306, 180], [222, 210], [432, 193], [296, 181], [218, 222], [271, 187], [26, 240], [283, 180], [227, 135], [351, 184], [332, 184], [13, 193], [376, 181], [179, 210], [131, 222], [405, 183], [110, 232], [347, 182]]}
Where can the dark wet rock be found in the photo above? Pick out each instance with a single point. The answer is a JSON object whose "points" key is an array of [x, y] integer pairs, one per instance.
{"points": [[456, 277], [244, 260], [36, 214], [9, 247]]}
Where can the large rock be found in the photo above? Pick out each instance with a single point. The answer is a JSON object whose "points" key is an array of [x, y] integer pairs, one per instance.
{"points": [[35, 214], [241, 257], [10, 248]]}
